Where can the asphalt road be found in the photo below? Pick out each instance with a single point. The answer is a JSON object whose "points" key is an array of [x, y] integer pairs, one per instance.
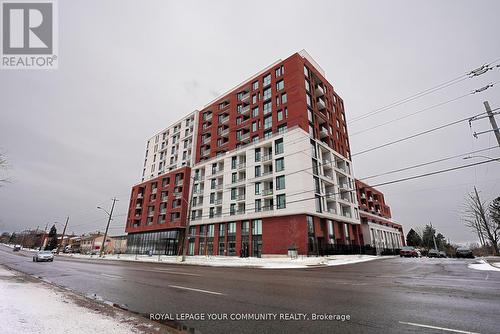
{"points": [[391, 295]]}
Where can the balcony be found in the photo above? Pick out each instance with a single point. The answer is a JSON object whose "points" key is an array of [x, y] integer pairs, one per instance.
{"points": [[154, 191], [219, 186], [223, 120], [205, 153], [137, 216], [164, 198], [323, 133], [197, 203], [244, 137], [179, 182], [138, 206], [151, 213], [244, 110], [216, 171], [177, 194], [265, 158], [240, 197], [218, 201], [330, 197], [208, 117], [241, 165], [267, 208], [244, 97], [333, 211], [363, 195], [238, 180], [321, 104], [163, 211], [140, 196], [198, 191], [196, 217], [267, 192], [206, 140], [319, 91], [224, 133]]}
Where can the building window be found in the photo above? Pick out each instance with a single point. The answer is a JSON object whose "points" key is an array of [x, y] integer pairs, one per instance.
{"points": [[268, 107], [255, 85], [280, 182], [281, 201], [233, 162], [280, 115], [257, 188], [278, 146], [268, 134], [254, 98], [268, 122], [282, 128], [279, 71], [267, 80], [254, 126], [280, 85], [257, 171], [234, 177], [283, 98], [267, 94], [255, 112], [308, 100], [308, 87], [306, 71], [280, 164], [232, 209]]}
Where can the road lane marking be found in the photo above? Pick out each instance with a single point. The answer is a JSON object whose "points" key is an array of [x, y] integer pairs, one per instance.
{"points": [[440, 328], [112, 276], [179, 273], [197, 290]]}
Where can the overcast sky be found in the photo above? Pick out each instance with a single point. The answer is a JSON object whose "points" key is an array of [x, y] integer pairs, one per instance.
{"points": [[75, 137]]}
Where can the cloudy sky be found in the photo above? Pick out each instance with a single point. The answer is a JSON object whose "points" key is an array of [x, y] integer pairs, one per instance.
{"points": [[75, 137]]}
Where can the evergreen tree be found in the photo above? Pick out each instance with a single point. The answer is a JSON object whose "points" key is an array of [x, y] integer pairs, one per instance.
{"points": [[52, 243], [413, 239]]}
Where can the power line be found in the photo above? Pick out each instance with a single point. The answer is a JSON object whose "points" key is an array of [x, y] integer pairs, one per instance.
{"points": [[471, 74], [425, 163], [416, 135]]}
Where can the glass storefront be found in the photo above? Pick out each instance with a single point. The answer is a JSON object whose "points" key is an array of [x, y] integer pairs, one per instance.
{"points": [[161, 242]]}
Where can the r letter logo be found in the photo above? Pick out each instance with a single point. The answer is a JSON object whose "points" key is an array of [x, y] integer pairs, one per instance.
{"points": [[29, 36]]}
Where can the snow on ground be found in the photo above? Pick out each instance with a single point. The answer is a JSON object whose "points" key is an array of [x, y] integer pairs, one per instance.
{"points": [[33, 307], [483, 265], [233, 261]]}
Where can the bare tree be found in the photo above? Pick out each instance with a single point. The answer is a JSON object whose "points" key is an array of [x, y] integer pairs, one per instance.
{"points": [[478, 219]]}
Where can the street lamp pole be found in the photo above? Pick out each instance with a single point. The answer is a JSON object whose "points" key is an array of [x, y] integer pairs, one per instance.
{"points": [[110, 214], [62, 238]]}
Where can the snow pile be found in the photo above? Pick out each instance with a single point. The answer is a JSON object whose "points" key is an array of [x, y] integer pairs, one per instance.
{"points": [[28, 307], [483, 265], [233, 261]]}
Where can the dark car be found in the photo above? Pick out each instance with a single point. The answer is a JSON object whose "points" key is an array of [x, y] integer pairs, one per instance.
{"points": [[408, 251], [43, 256], [464, 252], [16, 248], [433, 253]]}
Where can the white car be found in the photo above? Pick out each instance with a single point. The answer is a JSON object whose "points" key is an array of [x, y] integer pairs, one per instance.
{"points": [[43, 256]]}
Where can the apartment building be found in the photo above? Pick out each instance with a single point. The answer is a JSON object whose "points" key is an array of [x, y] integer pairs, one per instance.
{"points": [[270, 171], [377, 227], [171, 148]]}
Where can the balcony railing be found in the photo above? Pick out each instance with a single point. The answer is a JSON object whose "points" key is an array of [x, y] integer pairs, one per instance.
{"points": [[206, 140], [245, 109], [139, 196], [218, 201], [319, 91], [241, 165], [321, 104], [266, 158], [224, 120], [267, 192], [244, 136], [240, 197], [224, 132]]}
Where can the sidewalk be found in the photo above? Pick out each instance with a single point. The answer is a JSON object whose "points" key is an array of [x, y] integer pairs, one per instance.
{"points": [[486, 264], [234, 261], [28, 305]]}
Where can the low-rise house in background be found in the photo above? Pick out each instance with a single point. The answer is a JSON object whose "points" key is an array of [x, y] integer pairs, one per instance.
{"points": [[117, 245]]}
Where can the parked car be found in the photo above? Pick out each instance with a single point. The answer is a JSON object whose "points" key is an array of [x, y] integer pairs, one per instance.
{"points": [[442, 254], [464, 252], [408, 251], [433, 253], [419, 254], [43, 256], [16, 248]]}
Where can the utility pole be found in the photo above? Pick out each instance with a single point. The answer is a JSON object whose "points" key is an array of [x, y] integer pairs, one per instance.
{"points": [[107, 226], [492, 121], [43, 238], [62, 238], [188, 220], [433, 236]]}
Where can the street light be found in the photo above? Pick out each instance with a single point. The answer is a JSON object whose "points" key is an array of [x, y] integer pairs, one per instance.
{"points": [[481, 156]]}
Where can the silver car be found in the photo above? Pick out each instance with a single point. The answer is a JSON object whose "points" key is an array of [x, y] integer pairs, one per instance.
{"points": [[43, 256]]}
